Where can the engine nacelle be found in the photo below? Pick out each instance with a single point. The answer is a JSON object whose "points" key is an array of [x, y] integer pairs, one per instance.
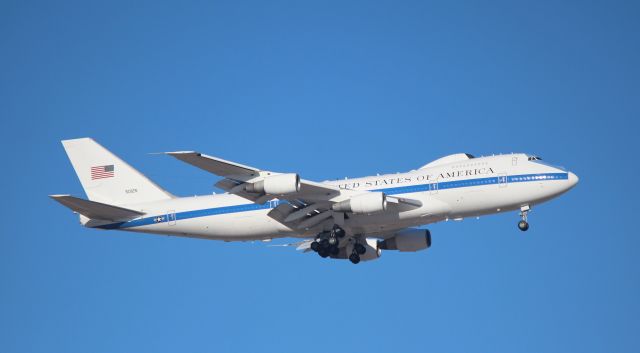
{"points": [[280, 184], [408, 240], [370, 202]]}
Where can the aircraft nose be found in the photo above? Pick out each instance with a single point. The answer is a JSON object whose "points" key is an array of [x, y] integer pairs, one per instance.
{"points": [[573, 180]]}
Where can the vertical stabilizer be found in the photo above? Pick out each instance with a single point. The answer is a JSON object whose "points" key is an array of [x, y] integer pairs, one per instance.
{"points": [[108, 179]]}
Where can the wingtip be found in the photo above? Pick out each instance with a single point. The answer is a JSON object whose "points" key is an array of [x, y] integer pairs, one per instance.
{"points": [[179, 152], [66, 141]]}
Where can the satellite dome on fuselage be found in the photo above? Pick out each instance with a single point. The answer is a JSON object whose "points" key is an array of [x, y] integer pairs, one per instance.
{"points": [[458, 157]]}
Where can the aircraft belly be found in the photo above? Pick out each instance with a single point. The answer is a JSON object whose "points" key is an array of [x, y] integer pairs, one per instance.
{"points": [[491, 199], [248, 225]]}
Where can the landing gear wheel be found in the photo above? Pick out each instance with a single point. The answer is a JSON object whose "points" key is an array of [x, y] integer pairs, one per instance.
{"points": [[323, 253], [315, 246], [359, 249], [338, 232], [523, 225], [524, 212], [354, 258], [324, 243], [334, 250]]}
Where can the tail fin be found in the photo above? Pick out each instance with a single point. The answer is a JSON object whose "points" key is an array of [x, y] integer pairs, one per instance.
{"points": [[108, 179]]}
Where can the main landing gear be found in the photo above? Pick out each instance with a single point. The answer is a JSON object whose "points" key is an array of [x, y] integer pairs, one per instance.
{"points": [[326, 244], [523, 225], [358, 249]]}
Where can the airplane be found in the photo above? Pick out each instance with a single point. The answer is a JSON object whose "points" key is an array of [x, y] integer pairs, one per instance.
{"points": [[353, 219]]}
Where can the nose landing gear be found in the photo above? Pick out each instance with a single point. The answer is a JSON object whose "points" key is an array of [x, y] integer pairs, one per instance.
{"points": [[523, 225]]}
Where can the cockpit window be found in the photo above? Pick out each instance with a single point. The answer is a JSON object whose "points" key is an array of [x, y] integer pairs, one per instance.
{"points": [[470, 156], [534, 158]]}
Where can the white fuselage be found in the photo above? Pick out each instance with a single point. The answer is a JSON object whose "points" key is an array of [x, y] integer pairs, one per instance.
{"points": [[469, 188]]}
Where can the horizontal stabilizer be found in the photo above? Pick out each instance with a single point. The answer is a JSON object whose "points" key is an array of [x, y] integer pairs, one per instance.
{"points": [[96, 210]]}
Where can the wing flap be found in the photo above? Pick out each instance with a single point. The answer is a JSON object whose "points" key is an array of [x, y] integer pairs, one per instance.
{"points": [[303, 212], [281, 212], [404, 200], [314, 220]]}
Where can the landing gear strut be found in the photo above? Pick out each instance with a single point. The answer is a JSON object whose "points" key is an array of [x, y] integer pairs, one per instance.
{"points": [[523, 225], [337, 232]]}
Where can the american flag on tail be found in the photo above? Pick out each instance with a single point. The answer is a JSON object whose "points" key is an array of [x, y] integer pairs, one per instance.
{"points": [[102, 171]]}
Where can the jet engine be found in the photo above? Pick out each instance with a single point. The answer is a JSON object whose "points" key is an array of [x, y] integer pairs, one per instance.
{"points": [[408, 240], [370, 202], [280, 184]]}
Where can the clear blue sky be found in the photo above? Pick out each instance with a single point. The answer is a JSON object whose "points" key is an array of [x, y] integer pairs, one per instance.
{"points": [[327, 89]]}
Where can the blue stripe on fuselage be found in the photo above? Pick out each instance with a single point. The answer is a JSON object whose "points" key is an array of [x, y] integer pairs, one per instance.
{"points": [[473, 182], [389, 191]]}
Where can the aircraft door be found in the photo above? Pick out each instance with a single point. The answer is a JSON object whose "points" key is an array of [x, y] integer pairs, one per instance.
{"points": [[433, 187], [171, 217], [502, 180]]}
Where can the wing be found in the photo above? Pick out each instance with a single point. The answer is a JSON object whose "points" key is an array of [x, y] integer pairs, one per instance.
{"points": [[214, 165], [237, 175], [308, 203]]}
